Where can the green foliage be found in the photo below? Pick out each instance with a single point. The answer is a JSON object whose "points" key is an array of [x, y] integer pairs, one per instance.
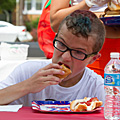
{"points": [[32, 28], [35, 23], [8, 5], [28, 25], [32, 24]]}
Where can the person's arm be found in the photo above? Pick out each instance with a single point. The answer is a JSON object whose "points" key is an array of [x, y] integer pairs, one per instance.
{"points": [[12, 93], [40, 80], [60, 9]]}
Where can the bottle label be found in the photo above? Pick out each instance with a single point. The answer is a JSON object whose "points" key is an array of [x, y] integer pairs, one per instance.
{"points": [[112, 79]]}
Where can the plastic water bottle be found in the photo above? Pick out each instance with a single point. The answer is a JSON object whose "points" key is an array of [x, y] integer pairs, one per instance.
{"points": [[112, 87]]}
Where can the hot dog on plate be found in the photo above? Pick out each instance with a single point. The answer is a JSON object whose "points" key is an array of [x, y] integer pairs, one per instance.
{"points": [[86, 104]]}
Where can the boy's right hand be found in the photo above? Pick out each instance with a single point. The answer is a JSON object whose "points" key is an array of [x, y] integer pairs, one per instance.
{"points": [[44, 77]]}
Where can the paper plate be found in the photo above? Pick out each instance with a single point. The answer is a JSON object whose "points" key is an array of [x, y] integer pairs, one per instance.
{"points": [[56, 106]]}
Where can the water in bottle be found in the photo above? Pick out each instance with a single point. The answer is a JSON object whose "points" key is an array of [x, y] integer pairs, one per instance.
{"points": [[112, 87]]}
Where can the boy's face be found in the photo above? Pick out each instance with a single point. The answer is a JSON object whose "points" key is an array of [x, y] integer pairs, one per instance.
{"points": [[82, 44]]}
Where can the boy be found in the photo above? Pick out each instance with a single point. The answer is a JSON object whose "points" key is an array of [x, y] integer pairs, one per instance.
{"points": [[77, 44]]}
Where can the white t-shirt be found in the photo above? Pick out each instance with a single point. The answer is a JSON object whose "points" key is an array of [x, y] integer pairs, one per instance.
{"points": [[95, 8], [91, 85]]}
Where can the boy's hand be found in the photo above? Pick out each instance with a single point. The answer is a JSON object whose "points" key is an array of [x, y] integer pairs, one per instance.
{"points": [[43, 78]]}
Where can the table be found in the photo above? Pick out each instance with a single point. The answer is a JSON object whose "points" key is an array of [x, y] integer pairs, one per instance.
{"points": [[26, 113]]}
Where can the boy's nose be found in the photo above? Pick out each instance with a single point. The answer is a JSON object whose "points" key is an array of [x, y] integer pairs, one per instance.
{"points": [[66, 56]]}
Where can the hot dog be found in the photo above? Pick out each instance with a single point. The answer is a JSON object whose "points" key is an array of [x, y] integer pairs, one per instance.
{"points": [[86, 104], [66, 70]]}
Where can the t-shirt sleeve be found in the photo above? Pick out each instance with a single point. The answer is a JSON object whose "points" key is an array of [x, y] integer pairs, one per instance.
{"points": [[23, 72], [15, 77]]}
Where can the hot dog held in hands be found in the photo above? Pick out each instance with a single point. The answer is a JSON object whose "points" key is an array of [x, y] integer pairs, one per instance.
{"points": [[66, 70], [86, 104]]}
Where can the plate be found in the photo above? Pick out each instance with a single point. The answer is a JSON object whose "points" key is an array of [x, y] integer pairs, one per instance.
{"points": [[56, 106], [111, 21]]}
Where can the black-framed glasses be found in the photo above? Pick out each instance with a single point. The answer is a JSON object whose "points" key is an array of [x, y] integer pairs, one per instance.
{"points": [[74, 53]]}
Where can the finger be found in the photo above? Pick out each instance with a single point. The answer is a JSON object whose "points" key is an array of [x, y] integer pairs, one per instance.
{"points": [[53, 78], [49, 78], [52, 65], [52, 82], [50, 72]]}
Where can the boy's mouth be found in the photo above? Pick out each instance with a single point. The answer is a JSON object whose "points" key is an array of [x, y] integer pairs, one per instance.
{"points": [[60, 63]]}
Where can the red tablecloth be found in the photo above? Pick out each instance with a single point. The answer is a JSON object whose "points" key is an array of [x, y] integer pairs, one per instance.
{"points": [[26, 113]]}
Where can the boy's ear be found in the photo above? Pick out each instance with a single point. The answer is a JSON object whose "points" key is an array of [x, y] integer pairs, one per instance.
{"points": [[95, 57]]}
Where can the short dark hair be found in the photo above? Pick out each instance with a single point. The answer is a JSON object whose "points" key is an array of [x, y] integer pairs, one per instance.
{"points": [[85, 23]]}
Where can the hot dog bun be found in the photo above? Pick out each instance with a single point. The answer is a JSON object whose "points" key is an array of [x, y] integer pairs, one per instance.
{"points": [[66, 70], [85, 104]]}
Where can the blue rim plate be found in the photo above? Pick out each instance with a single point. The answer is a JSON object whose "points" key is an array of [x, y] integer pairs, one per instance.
{"points": [[56, 107], [111, 21]]}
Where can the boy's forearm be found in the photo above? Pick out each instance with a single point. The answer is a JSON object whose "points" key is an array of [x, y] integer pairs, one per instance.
{"points": [[12, 93]]}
